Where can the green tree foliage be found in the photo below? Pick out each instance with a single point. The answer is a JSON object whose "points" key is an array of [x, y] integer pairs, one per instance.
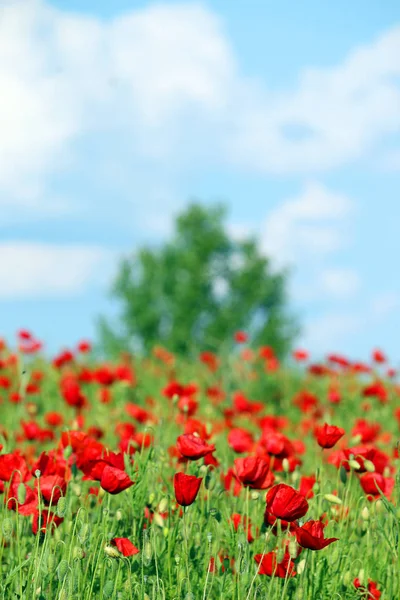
{"points": [[197, 289]]}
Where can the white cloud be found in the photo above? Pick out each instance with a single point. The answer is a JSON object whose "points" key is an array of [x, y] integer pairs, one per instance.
{"points": [[309, 226], [34, 270], [340, 282], [162, 84]]}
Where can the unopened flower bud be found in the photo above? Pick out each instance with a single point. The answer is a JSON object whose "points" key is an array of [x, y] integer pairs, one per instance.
{"points": [[361, 577], [369, 466], [354, 465], [333, 499], [111, 552], [285, 465], [21, 493], [347, 578], [158, 520], [293, 548], [365, 513], [301, 566], [162, 507]]}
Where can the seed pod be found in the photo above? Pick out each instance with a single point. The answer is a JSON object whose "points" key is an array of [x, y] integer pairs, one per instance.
{"points": [[285, 465], [254, 495]]}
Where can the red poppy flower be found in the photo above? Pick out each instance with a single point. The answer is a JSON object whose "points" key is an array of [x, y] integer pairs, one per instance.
{"points": [[186, 488], [306, 485], [45, 520], [311, 536], [367, 432], [114, 480], [371, 591], [300, 355], [328, 435], [253, 472], [286, 503], [193, 447], [378, 356], [10, 464], [268, 565], [241, 337], [84, 347], [240, 440], [30, 500], [125, 546], [374, 484], [52, 487]]}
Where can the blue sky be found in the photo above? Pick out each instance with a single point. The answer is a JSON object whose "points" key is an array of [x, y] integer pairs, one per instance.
{"points": [[116, 113]]}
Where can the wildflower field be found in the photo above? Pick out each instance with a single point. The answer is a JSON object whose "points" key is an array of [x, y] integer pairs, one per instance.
{"points": [[216, 477]]}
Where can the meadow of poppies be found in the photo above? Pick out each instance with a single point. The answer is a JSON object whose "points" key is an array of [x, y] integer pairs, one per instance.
{"points": [[210, 477]]}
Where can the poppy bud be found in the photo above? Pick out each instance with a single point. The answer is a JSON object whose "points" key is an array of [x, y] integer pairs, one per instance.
{"points": [[333, 499], [111, 552], [162, 507], [354, 465], [301, 566], [365, 513], [369, 466]]}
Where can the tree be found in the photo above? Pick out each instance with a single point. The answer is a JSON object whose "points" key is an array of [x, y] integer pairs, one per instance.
{"points": [[197, 289]]}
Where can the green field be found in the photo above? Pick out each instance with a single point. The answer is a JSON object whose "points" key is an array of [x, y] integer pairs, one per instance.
{"points": [[89, 457]]}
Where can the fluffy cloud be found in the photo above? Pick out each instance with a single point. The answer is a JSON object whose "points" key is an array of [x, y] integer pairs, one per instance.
{"points": [[34, 270], [340, 282], [307, 227], [162, 84]]}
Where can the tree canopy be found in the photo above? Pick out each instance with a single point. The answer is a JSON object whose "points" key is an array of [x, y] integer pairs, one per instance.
{"points": [[197, 289]]}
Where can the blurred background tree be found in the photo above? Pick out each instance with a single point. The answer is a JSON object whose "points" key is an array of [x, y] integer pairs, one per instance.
{"points": [[196, 290]]}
